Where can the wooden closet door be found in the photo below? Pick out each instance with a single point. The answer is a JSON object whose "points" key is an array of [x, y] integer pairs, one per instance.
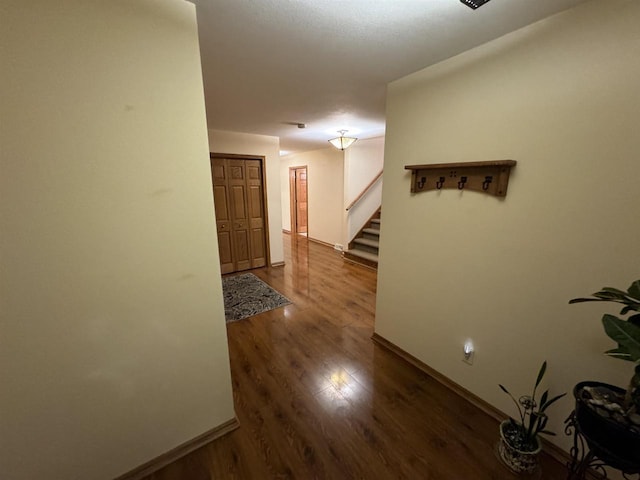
{"points": [[255, 209], [239, 214], [239, 207], [223, 214]]}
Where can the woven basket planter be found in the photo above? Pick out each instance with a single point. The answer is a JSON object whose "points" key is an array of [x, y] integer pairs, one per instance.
{"points": [[517, 460]]}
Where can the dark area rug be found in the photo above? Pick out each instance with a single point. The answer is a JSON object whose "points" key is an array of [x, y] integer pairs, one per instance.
{"points": [[246, 295]]}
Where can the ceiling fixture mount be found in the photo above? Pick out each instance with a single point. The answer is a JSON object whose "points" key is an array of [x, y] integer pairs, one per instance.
{"points": [[296, 124], [342, 142], [474, 3]]}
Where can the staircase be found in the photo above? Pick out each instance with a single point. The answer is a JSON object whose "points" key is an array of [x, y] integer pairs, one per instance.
{"points": [[364, 248]]}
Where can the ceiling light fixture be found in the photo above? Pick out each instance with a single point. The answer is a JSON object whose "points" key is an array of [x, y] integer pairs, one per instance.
{"points": [[342, 142], [474, 3]]}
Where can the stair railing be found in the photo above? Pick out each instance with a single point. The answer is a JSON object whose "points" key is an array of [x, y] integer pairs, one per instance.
{"points": [[366, 189]]}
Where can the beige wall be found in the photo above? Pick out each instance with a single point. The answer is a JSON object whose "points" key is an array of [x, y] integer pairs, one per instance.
{"points": [[268, 147], [325, 172], [363, 161], [113, 343], [561, 98]]}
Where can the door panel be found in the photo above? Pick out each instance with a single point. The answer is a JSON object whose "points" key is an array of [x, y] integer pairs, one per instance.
{"points": [[221, 205], [253, 171], [255, 203], [243, 258], [224, 248], [302, 217], [257, 243], [218, 172], [238, 202]]}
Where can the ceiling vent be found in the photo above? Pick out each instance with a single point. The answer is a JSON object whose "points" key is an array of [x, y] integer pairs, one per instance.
{"points": [[474, 3]]}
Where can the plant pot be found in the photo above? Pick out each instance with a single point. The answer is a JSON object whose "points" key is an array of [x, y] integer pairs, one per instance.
{"points": [[611, 441], [518, 461]]}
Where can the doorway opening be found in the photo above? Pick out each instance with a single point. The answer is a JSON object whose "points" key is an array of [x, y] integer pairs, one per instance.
{"points": [[298, 200]]}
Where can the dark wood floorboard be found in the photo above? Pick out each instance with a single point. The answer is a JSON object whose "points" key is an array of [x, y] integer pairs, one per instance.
{"points": [[317, 399]]}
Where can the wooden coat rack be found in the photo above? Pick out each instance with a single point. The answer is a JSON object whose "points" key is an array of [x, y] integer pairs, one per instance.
{"points": [[490, 177]]}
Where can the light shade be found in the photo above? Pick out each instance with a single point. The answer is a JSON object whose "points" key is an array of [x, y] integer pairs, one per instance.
{"points": [[474, 3], [342, 142]]}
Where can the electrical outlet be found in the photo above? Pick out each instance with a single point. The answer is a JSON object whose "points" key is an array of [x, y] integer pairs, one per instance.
{"points": [[468, 352], [338, 247]]}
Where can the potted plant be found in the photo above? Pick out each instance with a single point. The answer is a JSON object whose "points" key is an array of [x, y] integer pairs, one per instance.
{"points": [[519, 444], [607, 415]]}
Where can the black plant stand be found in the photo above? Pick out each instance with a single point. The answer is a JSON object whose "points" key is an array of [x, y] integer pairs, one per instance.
{"points": [[586, 454]]}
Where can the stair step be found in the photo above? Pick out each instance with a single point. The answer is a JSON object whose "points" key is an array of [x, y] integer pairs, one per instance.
{"points": [[362, 254], [360, 260], [375, 220], [369, 242], [364, 246], [371, 231]]}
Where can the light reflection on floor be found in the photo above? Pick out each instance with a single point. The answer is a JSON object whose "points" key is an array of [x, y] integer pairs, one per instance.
{"points": [[343, 391], [340, 378]]}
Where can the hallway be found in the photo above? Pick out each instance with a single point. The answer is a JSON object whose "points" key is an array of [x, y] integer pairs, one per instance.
{"points": [[316, 398]]}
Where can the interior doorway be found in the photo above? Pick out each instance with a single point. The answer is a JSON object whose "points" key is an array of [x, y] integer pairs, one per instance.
{"points": [[298, 200], [241, 216]]}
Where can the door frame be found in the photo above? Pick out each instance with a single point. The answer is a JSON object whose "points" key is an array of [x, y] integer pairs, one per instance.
{"points": [[293, 211], [263, 167]]}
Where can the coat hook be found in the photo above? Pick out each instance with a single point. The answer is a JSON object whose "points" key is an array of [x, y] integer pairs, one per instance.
{"points": [[462, 182], [440, 183], [487, 181], [421, 183]]}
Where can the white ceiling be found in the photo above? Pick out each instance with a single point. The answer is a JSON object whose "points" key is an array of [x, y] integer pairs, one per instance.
{"points": [[326, 63]]}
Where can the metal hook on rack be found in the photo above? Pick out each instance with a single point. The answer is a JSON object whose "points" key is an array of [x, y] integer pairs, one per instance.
{"points": [[462, 183], [487, 180], [421, 183], [440, 183]]}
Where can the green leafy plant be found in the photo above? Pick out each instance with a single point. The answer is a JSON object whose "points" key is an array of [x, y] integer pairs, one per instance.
{"points": [[625, 332], [533, 419]]}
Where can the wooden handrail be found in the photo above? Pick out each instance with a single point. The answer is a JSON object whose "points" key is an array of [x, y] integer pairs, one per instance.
{"points": [[366, 189]]}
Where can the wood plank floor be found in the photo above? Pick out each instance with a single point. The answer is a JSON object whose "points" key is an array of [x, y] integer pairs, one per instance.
{"points": [[317, 399]]}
